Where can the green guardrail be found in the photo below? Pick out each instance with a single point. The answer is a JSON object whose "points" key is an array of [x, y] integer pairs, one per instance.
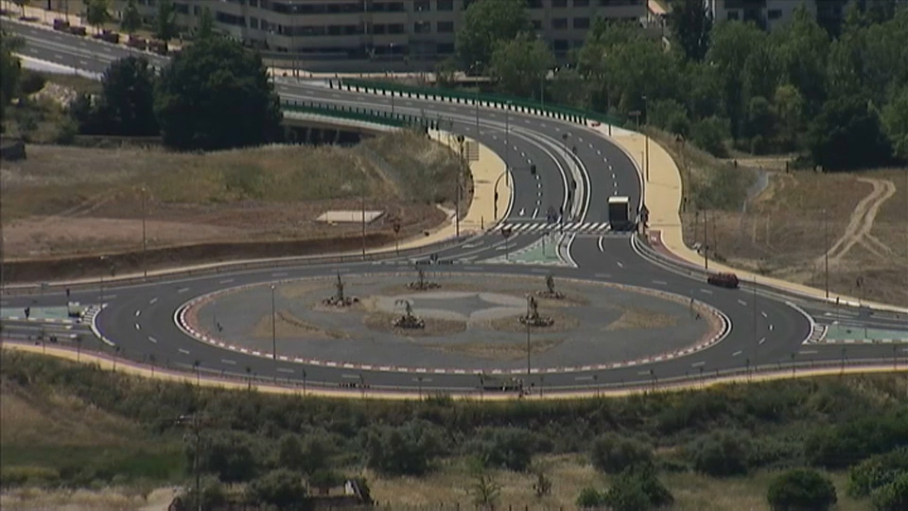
{"points": [[359, 114], [458, 96]]}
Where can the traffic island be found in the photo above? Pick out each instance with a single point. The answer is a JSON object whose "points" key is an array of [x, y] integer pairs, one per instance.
{"points": [[472, 322]]}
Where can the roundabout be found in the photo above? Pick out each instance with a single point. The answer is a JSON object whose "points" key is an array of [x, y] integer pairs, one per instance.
{"points": [[466, 322], [610, 311]]}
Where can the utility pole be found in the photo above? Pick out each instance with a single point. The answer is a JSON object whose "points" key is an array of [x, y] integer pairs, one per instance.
{"points": [[645, 135], [459, 187], [706, 239], [756, 342], [507, 136], [194, 422]]}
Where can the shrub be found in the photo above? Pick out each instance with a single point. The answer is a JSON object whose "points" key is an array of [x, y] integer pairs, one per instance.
{"points": [[720, 455], [213, 494], [28, 476], [710, 134], [877, 471], [590, 498], [801, 489], [637, 489], [406, 450], [507, 448], [612, 454], [281, 488], [893, 496], [31, 83]]}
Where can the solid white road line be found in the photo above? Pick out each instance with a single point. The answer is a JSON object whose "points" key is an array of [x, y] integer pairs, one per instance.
{"points": [[698, 364], [185, 352], [182, 290], [735, 354]]}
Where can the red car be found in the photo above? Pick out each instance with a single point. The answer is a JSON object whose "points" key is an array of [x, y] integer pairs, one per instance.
{"points": [[729, 280]]}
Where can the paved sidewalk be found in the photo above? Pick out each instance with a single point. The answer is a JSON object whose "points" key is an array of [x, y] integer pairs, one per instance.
{"points": [[663, 199]]}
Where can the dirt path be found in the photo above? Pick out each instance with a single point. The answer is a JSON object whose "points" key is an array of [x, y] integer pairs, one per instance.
{"points": [[861, 222]]}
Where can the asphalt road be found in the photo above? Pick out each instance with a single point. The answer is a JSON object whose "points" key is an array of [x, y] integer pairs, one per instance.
{"points": [[765, 328]]}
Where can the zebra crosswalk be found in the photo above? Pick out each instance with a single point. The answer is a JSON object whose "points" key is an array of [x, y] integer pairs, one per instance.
{"points": [[540, 228]]}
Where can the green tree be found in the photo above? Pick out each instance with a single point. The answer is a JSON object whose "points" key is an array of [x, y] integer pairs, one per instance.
{"points": [[280, 488], [788, 110], [97, 13], [720, 455], [505, 448], [691, 24], [732, 46], [710, 134], [848, 135], [324, 480], [637, 489], [802, 50], [212, 492], [10, 71], [521, 65], [893, 496], [165, 27], [877, 471], [847, 57], [216, 95], [131, 19], [405, 450], [801, 489], [127, 98], [590, 498], [206, 24], [486, 23], [231, 455], [759, 123], [895, 120], [613, 454], [669, 115]]}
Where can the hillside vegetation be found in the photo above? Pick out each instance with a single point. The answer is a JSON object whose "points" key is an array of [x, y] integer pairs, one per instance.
{"points": [[75, 425]]}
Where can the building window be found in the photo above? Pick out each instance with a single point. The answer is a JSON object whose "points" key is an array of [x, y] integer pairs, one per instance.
{"points": [[445, 27], [396, 28], [560, 23], [445, 48], [534, 4], [422, 27], [444, 5], [559, 3], [774, 14], [582, 23], [253, 3], [537, 24], [421, 6], [581, 3], [733, 15], [379, 29], [254, 23]]}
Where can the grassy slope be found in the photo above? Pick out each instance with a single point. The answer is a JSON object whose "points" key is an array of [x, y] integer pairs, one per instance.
{"points": [[52, 429]]}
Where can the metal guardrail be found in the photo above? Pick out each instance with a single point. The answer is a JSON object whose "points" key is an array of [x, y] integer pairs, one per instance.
{"points": [[358, 114], [31, 288], [457, 96]]}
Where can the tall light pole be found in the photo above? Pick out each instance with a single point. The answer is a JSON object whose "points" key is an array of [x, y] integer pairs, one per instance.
{"points": [[528, 340], [364, 223], [826, 249], [144, 239], [273, 327], [646, 136], [756, 342], [507, 136]]}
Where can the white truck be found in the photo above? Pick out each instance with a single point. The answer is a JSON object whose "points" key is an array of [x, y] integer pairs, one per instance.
{"points": [[619, 214]]}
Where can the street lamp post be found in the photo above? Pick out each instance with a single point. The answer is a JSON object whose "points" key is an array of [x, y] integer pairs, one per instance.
{"points": [[144, 239], [507, 135], [826, 249], [528, 340], [646, 136], [273, 327], [495, 197]]}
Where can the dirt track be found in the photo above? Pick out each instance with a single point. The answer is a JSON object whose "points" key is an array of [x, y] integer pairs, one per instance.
{"points": [[861, 223]]}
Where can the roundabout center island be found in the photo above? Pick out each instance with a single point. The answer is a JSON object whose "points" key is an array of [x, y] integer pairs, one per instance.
{"points": [[474, 322]]}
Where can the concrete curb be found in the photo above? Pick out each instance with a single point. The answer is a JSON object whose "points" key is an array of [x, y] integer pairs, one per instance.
{"points": [[184, 324], [225, 383]]}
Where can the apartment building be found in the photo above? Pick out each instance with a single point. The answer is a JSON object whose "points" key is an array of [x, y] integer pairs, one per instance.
{"points": [[382, 29], [770, 14]]}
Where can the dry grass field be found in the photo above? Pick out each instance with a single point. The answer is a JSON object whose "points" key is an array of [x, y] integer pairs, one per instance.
{"points": [[65, 201], [858, 220], [569, 474]]}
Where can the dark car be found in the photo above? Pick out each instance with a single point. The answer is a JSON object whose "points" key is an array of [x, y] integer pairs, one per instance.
{"points": [[729, 280]]}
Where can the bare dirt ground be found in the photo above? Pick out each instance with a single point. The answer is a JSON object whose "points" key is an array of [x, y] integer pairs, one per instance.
{"points": [[64, 201], [856, 221]]}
